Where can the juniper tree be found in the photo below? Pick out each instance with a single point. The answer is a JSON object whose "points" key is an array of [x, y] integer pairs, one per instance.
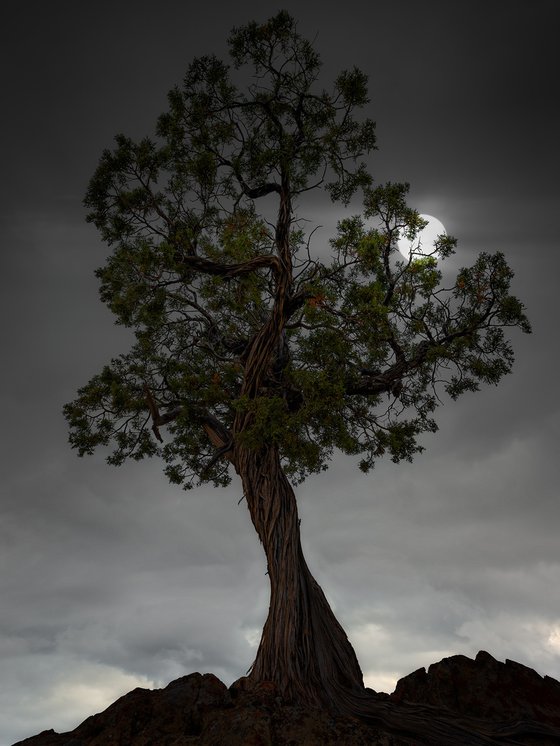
{"points": [[257, 353]]}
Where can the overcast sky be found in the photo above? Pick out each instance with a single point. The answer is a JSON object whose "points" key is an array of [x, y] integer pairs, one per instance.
{"points": [[111, 578]]}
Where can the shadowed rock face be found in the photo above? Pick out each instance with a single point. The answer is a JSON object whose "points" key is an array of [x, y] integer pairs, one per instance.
{"points": [[458, 701], [199, 710], [484, 688]]}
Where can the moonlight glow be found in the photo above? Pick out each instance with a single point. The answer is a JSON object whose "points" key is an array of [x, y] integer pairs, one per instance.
{"points": [[424, 241]]}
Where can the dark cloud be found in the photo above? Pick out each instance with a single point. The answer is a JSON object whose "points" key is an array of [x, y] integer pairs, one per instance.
{"points": [[111, 578]]}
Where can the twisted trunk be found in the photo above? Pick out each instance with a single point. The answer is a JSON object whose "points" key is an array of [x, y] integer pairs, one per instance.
{"points": [[303, 649]]}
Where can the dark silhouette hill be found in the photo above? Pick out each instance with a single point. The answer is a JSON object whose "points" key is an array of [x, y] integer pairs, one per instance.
{"points": [[457, 701]]}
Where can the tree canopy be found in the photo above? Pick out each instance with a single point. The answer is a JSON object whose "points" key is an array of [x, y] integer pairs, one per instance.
{"points": [[245, 330]]}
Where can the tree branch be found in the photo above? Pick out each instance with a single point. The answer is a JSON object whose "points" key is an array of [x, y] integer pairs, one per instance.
{"points": [[217, 433], [389, 381], [228, 271]]}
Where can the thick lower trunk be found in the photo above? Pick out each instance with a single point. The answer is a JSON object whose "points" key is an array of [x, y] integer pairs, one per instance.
{"points": [[305, 652], [303, 649]]}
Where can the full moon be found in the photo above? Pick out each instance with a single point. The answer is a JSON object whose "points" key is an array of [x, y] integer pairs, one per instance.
{"points": [[425, 239]]}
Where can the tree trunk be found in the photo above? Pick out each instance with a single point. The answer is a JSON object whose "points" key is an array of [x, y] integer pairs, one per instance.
{"points": [[303, 649]]}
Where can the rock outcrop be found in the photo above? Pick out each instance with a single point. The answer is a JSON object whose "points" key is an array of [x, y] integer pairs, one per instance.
{"points": [[198, 710], [484, 688], [457, 702]]}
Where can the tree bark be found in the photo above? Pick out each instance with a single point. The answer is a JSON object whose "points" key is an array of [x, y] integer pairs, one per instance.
{"points": [[303, 649]]}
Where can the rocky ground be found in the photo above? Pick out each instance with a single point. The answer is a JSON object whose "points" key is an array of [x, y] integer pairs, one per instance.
{"points": [[457, 701]]}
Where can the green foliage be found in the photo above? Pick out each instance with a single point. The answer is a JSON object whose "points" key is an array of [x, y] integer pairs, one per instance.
{"points": [[358, 349]]}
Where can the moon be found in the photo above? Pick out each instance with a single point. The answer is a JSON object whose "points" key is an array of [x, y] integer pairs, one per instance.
{"points": [[424, 239]]}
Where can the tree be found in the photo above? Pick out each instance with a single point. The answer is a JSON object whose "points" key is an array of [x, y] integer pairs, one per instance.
{"points": [[258, 356]]}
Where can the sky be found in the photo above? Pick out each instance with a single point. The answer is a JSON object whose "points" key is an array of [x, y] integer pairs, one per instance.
{"points": [[112, 578]]}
